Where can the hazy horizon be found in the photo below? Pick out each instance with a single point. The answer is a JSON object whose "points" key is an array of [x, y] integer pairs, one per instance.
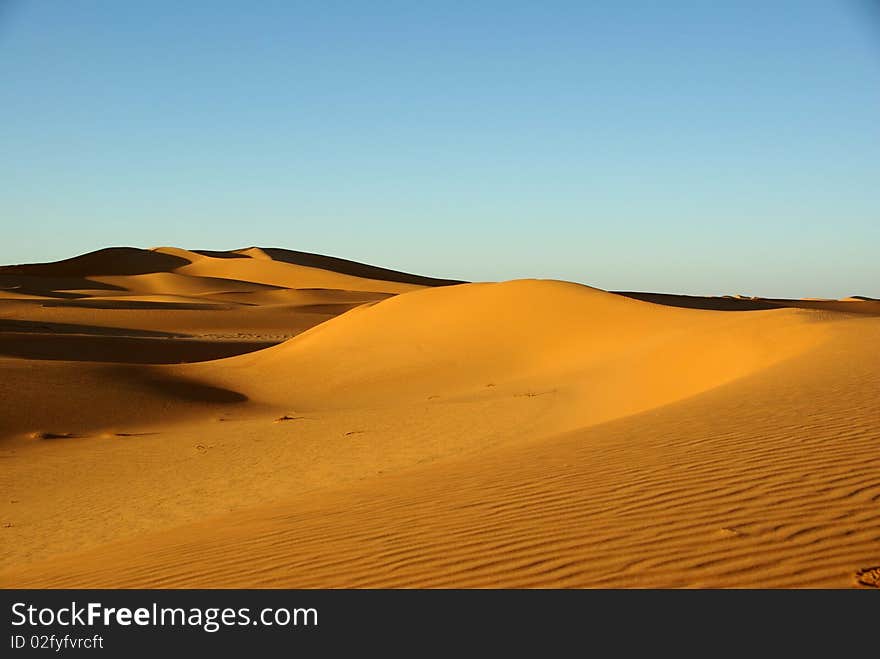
{"points": [[684, 148]]}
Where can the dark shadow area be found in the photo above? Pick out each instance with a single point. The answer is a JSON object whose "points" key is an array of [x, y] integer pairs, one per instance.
{"points": [[346, 295], [220, 255], [249, 286], [328, 309], [52, 286], [860, 306], [122, 350], [353, 268], [87, 399], [856, 305], [55, 435], [108, 261], [41, 327], [179, 387], [696, 302], [137, 304]]}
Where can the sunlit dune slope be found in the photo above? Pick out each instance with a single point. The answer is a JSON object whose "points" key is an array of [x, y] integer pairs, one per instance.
{"points": [[596, 354]]}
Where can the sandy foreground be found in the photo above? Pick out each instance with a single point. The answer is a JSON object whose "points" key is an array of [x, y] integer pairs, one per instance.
{"points": [[268, 418]]}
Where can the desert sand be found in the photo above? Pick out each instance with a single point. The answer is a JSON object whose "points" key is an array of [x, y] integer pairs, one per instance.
{"points": [[270, 418]]}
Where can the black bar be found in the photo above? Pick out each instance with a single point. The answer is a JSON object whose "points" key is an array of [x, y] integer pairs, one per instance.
{"points": [[420, 622]]}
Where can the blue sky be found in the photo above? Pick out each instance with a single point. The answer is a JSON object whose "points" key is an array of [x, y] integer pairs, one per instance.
{"points": [[684, 146]]}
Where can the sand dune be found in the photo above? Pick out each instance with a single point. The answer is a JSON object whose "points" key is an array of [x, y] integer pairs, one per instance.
{"points": [[599, 355], [174, 271], [256, 266], [389, 430], [183, 294], [342, 266], [853, 304]]}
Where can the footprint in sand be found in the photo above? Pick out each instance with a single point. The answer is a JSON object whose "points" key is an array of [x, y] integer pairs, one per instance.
{"points": [[110, 434], [532, 394], [869, 577]]}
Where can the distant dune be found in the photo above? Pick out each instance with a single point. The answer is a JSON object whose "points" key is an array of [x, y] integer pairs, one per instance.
{"points": [[864, 305], [269, 418]]}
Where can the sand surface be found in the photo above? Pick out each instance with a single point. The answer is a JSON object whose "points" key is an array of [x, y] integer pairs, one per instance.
{"points": [[270, 418]]}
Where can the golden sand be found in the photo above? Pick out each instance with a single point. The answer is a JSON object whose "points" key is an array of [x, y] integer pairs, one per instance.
{"points": [[264, 418]]}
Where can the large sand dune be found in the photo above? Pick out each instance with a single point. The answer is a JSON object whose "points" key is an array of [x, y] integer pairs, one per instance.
{"points": [[264, 417]]}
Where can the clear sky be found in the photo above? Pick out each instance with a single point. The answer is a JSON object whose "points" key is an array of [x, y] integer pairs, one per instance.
{"points": [[685, 146]]}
